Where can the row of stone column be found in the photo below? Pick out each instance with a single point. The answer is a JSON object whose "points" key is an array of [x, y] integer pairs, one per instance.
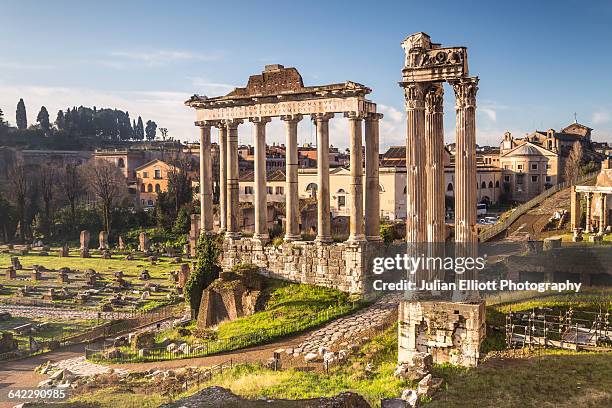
{"points": [[576, 213], [425, 192], [361, 228]]}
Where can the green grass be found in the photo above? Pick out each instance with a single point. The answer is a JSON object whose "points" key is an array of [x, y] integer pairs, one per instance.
{"points": [[55, 329], [111, 397]]}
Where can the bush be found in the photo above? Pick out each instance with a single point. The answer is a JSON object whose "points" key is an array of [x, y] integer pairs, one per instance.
{"points": [[206, 271], [387, 233]]}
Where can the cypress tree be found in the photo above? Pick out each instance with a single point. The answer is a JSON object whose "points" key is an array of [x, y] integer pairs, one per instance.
{"points": [[21, 116]]}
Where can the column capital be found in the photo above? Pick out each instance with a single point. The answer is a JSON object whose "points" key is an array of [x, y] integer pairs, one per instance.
{"points": [[321, 117], [414, 94], [296, 117], [260, 119], [354, 115], [465, 92], [374, 117], [232, 123], [434, 99]]}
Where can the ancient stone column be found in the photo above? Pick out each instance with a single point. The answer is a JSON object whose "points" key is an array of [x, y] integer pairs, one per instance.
{"points": [[372, 183], [602, 213], [261, 192], [356, 187], [324, 224], [292, 200], [84, 249], [466, 232], [206, 202], [587, 227], [575, 210], [434, 157], [604, 210], [222, 176], [103, 240], [233, 230]]}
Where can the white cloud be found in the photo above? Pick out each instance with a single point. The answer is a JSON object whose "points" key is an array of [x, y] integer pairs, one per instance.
{"points": [[205, 87], [599, 117], [25, 66], [490, 112]]}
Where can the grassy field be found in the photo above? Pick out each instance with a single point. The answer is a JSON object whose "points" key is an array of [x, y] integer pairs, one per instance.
{"points": [[54, 329], [286, 303]]}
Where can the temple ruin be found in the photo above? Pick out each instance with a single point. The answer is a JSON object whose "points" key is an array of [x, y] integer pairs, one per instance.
{"points": [[450, 329], [280, 92]]}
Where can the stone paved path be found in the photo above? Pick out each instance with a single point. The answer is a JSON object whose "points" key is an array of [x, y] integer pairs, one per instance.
{"points": [[349, 328], [81, 367]]}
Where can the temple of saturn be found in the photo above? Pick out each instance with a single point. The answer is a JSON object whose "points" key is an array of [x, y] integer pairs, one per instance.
{"points": [[280, 92], [450, 328]]}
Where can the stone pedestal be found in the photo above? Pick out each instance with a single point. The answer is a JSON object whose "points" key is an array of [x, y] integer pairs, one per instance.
{"points": [[103, 240], [121, 243], [183, 276], [451, 332], [64, 251], [10, 273], [84, 249], [144, 245]]}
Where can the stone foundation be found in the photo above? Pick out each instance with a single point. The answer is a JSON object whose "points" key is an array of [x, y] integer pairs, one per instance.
{"points": [[341, 266], [450, 332]]}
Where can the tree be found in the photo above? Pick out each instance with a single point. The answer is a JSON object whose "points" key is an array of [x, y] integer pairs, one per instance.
{"points": [[71, 183], [21, 116], [139, 130], [573, 163], [60, 121], [151, 130], [2, 122], [180, 190], [107, 184], [48, 178], [21, 186], [43, 119], [7, 219], [206, 271]]}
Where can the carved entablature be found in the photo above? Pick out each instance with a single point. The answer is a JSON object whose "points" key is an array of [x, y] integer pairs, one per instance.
{"points": [[435, 65]]}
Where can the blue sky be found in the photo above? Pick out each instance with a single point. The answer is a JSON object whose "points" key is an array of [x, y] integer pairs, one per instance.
{"points": [[538, 61]]}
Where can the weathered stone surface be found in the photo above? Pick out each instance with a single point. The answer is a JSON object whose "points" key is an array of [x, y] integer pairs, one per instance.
{"points": [[142, 340], [235, 295]]}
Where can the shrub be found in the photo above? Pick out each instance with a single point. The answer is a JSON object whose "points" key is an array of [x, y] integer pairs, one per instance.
{"points": [[206, 271], [387, 233]]}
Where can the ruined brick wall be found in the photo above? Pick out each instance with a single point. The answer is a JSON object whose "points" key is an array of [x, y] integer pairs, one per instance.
{"points": [[340, 266]]}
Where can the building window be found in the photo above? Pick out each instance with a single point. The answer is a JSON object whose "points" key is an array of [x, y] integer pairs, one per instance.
{"points": [[497, 182], [341, 201], [448, 188], [483, 185], [150, 188], [507, 179], [121, 163], [142, 188], [158, 173], [534, 179], [150, 203], [280, 190], [490, 184], [507, 166], [534, 166], [145, 174], [157, 188], [248, 190], [548, 179], [520, 167], [269, 189], [548, 167]]}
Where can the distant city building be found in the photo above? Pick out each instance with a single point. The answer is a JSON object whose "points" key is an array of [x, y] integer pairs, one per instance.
{"points": [[151, 179]]}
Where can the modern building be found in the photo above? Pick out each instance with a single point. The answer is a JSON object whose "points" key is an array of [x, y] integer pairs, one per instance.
{"points": [[151, 179]]}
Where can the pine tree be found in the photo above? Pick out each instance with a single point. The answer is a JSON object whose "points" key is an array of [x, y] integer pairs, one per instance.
{"points": [[43, 119], [21, 116], [2, 122], [151, 130], [60, 121], [140, 129]]}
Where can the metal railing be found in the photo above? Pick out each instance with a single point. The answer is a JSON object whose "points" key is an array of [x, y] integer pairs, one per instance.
{"points": [[108, 353], [498, 228]]}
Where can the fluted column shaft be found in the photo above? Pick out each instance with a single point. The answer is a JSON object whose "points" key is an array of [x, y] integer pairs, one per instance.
{"points": [[261, 192], [233, 229], [222, 176], [434, 152], [356, 186], [206, 202], [466, 234], [292, 216], [372, 194], [323, 212], [602, 213], [587, 227]]}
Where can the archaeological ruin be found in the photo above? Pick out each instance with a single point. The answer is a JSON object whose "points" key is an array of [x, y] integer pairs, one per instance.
{"points": [[280, 92], [449, 328]]}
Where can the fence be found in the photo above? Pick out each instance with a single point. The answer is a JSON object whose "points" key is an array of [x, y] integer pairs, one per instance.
{"points": [[565, 331], [128, 321], [109, 354], [498, 228]]}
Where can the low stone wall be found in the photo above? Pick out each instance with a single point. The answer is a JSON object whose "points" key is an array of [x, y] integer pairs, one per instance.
{"points": [[341, 266]]}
